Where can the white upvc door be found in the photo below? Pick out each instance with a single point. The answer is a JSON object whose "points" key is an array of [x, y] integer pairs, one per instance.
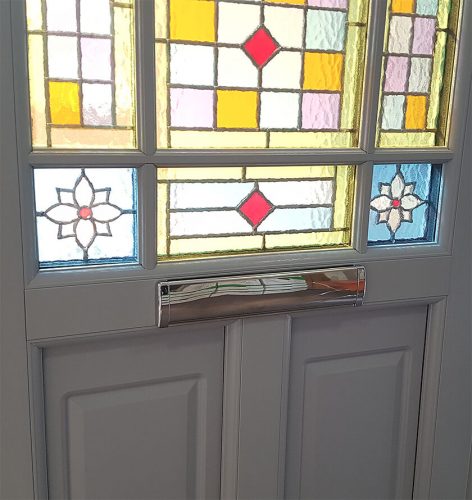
{"points": [[97, 402]]}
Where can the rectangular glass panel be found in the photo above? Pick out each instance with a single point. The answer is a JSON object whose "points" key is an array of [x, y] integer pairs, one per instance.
{"points": [[418, 68], [222, 211], [85, 216], [81, 60], [404, 203], [252, 74]]}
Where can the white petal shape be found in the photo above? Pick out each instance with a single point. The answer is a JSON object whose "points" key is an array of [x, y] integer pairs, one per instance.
{"points": [[101, 196], [407, 215], [62, 214], [409, 188], [394, 219], [83, 192], [105, 212], [398, 185], [383, 216], [66, 196], [386, 189], [410, 202], [381, 203], [85, 233]]}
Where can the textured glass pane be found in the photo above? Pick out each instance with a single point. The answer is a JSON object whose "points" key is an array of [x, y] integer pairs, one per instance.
{"points": [[81, 73], [404, 203], [251, 74], [246, 209], [85, 216], [418, 73]]}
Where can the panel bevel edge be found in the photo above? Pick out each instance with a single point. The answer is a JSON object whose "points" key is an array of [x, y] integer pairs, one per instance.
{"points": [[37, 421], [429, 398], [231, 409]]}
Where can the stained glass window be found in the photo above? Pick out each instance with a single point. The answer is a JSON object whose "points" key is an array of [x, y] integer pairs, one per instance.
{"points": [[272, 74], [418, 69], [253, 209], [404, 203], [85, 216], [81, 73]]}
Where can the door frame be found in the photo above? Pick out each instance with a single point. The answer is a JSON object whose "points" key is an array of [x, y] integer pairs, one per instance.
{"points": [[444, 438]]}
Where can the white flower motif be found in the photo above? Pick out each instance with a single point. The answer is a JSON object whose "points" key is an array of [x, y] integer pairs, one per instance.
{"points": [[396, 203], [83, 213]]}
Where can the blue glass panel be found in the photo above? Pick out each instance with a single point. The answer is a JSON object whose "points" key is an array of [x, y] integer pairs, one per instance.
{"points": [[85, 216], [404, 203]]}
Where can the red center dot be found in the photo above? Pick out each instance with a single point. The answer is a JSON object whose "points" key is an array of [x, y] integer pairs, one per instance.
{"points": [[396, 203], [85, 213]]}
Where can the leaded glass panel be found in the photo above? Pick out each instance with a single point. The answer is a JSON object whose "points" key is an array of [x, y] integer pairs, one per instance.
{"points": [[85, 216], [252, 74], [81, 73], [253, 209], [404, 204], [418, 71]]}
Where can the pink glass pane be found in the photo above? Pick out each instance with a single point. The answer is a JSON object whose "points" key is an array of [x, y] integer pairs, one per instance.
{"points": [[96, 58], [396, 74], [423, 35], [191, 107], [335, 4], [320, 111]]}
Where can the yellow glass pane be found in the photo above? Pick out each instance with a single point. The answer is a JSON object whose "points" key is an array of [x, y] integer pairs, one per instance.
{"points": [[323, 71], [311, 139], [124, 67], [34, 15], [191, 173], [403, 6], [37, 90], [290, 70], [344, 203], [418, 73], [197, 139], [82, 84], [64, 103], [192, 20], [225, 244], [303, 240], [237, 109], [415, 112], [77, 137], [227, 210], [290, 172]]}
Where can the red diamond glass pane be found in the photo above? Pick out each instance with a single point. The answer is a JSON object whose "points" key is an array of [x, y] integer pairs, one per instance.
{"points": [[260, 47], [256, 208]]}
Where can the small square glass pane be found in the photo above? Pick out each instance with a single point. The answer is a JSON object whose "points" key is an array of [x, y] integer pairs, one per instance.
{"points": [[404, 203], [85, 216]]}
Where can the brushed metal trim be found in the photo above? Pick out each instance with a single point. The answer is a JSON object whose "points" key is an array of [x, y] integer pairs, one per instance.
{"points": [[184, 301]]}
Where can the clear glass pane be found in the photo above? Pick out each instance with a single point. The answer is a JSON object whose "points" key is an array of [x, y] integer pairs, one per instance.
{"points": [[404, 203], [285, 74], [214, 211], [81, 73], [418, 72], [85, 216]]}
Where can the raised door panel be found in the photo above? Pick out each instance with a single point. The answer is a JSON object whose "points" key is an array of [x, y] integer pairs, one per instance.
{"points": [[353, 404], [135, 418]]}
